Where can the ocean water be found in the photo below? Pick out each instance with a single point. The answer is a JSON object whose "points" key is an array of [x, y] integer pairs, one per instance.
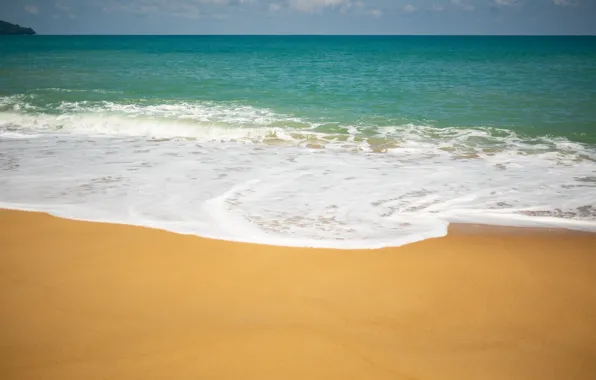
{"points": [[343, 142]]}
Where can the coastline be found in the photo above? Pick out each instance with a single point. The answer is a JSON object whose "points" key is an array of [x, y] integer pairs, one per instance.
{"points": [[94, 300]]}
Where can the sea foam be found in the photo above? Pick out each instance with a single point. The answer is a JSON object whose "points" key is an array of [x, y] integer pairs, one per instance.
{"points": [[150, 167]]}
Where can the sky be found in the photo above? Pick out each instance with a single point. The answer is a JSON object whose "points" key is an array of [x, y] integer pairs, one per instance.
{"points": [[303, 16]]}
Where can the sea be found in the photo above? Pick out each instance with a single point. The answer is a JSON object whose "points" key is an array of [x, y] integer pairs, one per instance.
{"points": [[317, 141]]}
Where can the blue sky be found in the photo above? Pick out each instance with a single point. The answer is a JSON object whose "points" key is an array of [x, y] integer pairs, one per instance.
{"points": [[303, 16]]}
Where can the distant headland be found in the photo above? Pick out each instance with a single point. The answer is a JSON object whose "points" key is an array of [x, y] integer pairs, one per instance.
{"points": [[8, 28]]}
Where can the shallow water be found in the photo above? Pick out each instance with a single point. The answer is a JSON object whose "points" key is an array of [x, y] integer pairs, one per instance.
{"points": [[319, 141]]}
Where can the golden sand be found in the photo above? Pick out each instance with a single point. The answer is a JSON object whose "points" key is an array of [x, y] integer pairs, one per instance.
{"points": [[89, 301]]}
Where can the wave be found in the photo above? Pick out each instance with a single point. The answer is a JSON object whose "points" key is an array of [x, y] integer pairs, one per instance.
{"points": [[210, 169], [287, 196], [249, 125], [94, 90], [6, 134]]}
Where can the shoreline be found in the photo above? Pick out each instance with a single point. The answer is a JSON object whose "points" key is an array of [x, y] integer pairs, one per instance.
{"points": [[459, 228], [98, 300]]}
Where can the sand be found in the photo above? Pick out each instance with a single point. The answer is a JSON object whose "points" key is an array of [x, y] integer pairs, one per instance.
{"points": [[86, 301]]}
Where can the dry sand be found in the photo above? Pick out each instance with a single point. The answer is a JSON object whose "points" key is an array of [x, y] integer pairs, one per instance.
{"points": [[89, 301]]}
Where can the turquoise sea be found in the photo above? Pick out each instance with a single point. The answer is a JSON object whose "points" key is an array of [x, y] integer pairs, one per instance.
{"points": [[331, 141]]}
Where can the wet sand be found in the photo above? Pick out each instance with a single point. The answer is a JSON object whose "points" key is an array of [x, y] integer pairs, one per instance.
{"points": [[83, 300]]}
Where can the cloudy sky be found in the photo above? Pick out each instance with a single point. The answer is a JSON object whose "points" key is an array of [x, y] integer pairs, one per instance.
{"points": [[303, 16]]}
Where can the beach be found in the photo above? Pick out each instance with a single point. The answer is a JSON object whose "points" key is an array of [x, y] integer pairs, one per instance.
{"points": [[297, 206], [306, 141], [84, 300]]}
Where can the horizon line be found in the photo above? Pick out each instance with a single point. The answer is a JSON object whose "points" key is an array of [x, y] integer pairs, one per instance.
{"points": [[318, 35]]}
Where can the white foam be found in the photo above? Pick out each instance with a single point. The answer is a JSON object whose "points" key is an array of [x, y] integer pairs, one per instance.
{"points": [[16, 135], [208, 122], [290, 195], [96, 91], [202, 111], [112, 125], [246, 174]]}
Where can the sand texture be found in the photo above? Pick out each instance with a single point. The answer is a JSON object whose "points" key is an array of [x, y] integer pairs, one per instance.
{"points": [[87, 301]]}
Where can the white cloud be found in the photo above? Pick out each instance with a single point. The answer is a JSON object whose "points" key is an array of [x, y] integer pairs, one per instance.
{"points": [[409, 8], [375, 12], [192, 9], [174, 8], [314, 5], [207, 8], [61, 6], [505, 3], [357, 6], [64, 8], [32, 9], [436, 8], [566, 3], [463, 4]]}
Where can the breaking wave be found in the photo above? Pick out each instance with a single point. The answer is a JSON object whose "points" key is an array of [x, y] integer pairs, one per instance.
{"points": [[243, 173]]}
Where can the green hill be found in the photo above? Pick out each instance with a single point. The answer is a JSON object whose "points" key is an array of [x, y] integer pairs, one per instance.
{"points": [[8, 28]]}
